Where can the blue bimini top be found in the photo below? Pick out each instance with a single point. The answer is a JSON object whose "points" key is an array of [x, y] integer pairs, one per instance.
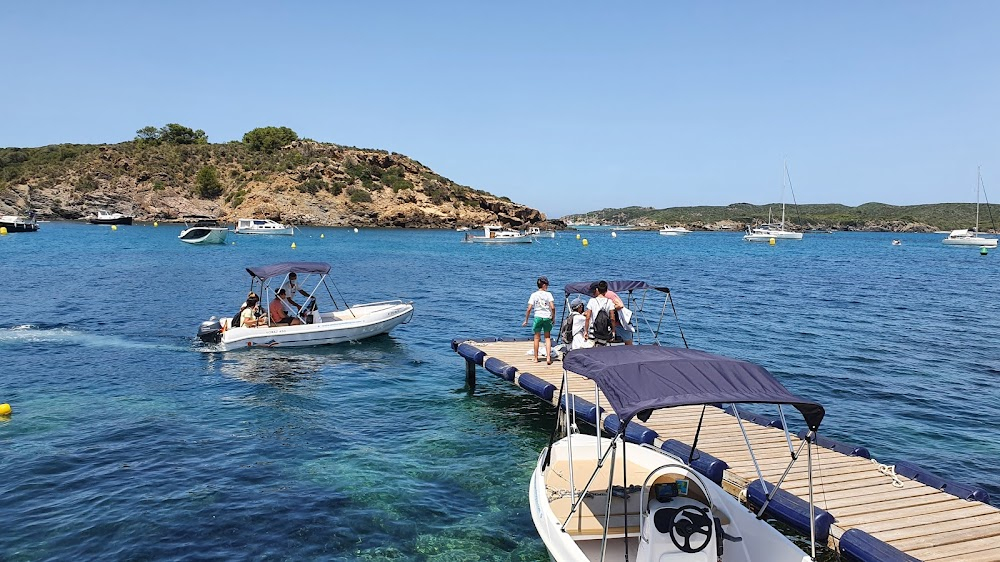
{"points": [[274, 270], [584, 287], [641, 378]]}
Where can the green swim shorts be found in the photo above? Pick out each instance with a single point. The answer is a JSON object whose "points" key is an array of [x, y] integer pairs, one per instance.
{"points": [[542, 325]]}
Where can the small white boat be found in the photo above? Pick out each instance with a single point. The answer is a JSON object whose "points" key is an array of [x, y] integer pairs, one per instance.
{"points": [[595, 498], [539, 233], [971, 237], [205, 231], [674, 231], [897, 242], [104, 217], [462, 229], [496, 234], [261, 226], [313, 325]]}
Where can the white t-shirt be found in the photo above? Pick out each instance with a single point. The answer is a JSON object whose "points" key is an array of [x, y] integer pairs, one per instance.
{"points": [[540, 301], [292, 289], [597, 303], [579, 327]]}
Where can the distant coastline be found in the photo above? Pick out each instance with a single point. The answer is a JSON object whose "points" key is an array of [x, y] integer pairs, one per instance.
{"points": [[870, 217]]}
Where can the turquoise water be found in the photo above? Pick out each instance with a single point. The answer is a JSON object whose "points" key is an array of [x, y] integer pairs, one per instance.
{"points": [[130, 440]]}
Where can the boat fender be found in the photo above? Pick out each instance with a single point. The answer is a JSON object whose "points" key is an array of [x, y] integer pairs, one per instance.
{"points": [[834, 445], [472, 353], [634, 432], [536, 386], [789, 509], [500, 369], [712, 467], [964, 491], [5, 409], [859, 546], [585, 410]]}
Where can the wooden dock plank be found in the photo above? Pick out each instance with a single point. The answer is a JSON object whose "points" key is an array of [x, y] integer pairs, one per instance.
{"points": [[916, 519]]}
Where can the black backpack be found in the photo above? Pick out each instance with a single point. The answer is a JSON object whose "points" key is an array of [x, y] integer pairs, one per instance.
{"points": [[603, 331]]}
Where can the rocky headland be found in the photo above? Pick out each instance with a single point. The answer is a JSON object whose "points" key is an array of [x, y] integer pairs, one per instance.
{"points": [[303, 182]]}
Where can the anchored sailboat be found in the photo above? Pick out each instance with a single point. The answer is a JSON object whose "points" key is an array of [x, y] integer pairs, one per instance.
{"points": [[768, 231], [966, 237]]}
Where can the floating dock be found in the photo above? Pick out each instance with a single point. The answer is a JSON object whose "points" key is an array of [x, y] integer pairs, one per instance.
{"points": [[866, 511]]}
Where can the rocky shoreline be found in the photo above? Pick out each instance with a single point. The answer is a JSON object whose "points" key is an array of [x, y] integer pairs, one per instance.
{"points": [[304, 183]]}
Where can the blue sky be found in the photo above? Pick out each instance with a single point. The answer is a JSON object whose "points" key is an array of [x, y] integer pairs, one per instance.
{"points": [[563, 106]]}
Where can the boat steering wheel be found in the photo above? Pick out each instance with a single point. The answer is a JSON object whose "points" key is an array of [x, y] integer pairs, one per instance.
{"points": [[687, 522]]}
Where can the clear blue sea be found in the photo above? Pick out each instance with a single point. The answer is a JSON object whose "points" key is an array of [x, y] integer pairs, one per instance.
{"points": [[131, 441]]}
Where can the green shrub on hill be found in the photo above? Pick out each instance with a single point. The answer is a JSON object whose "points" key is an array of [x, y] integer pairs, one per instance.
{"points": [[269, 139], [207, 184]]}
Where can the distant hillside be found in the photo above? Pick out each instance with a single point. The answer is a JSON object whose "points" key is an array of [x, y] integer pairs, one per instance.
{"points": [[173, 172], [870, 216]]}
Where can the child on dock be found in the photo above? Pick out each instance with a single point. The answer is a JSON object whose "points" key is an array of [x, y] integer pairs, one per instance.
{"points": [[544, 306]]}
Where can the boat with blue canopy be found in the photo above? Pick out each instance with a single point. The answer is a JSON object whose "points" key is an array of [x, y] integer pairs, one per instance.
{"points": [[597, 498], [291, 304]]}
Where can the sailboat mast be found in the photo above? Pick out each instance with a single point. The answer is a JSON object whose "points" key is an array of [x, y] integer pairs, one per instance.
{"points": [[979, 180], [784, 174]]}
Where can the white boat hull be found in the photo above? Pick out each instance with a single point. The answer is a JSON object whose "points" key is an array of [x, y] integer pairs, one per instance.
{"points": [[674, 232], [286, 231], [767, 235], [582, 543], [502, 240], [976, 242], [209, 236], [354, 324]]}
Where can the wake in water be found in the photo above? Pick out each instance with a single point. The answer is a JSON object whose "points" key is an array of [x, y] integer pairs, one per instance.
{"points": [[30, 334]]}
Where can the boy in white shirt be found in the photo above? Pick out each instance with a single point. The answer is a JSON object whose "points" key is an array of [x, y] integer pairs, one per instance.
{"points": [[544, 306]]}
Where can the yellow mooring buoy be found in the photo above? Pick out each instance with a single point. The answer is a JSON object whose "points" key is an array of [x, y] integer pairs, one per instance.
{"points": [[3, 231], [293, 245], [322, 235], [771, 241], [156, 223], [577, 236], [5, 409], [585, 243], [114, 227]]}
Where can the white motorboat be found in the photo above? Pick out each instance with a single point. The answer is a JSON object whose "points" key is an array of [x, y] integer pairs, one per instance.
{"points": [[971, 237], [539, 233], [313, 324], [105, 217], [674, 231], [593, 498], [496, 234], [771, 231], [204, 231], [17, 223], [261, 226]]}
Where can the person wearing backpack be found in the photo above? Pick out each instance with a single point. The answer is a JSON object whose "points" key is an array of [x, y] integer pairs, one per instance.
{"points": [[600, 315], [544, 306]]}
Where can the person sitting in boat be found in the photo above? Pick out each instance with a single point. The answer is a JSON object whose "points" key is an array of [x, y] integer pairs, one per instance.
{"points": [[279, 309], [292, 288], [251, 315]]}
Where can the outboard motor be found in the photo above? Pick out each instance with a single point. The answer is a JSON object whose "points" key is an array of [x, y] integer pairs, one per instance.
{"points": [[210, 331]]}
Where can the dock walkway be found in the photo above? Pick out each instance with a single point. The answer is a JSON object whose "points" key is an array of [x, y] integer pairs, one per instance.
{"points": [[869, 508]]}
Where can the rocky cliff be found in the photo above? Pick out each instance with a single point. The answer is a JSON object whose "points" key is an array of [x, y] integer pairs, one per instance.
{"points": [[304, 183]]}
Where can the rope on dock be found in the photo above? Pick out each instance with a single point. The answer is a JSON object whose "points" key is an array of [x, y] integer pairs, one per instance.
{"points": [[890, 471]]}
